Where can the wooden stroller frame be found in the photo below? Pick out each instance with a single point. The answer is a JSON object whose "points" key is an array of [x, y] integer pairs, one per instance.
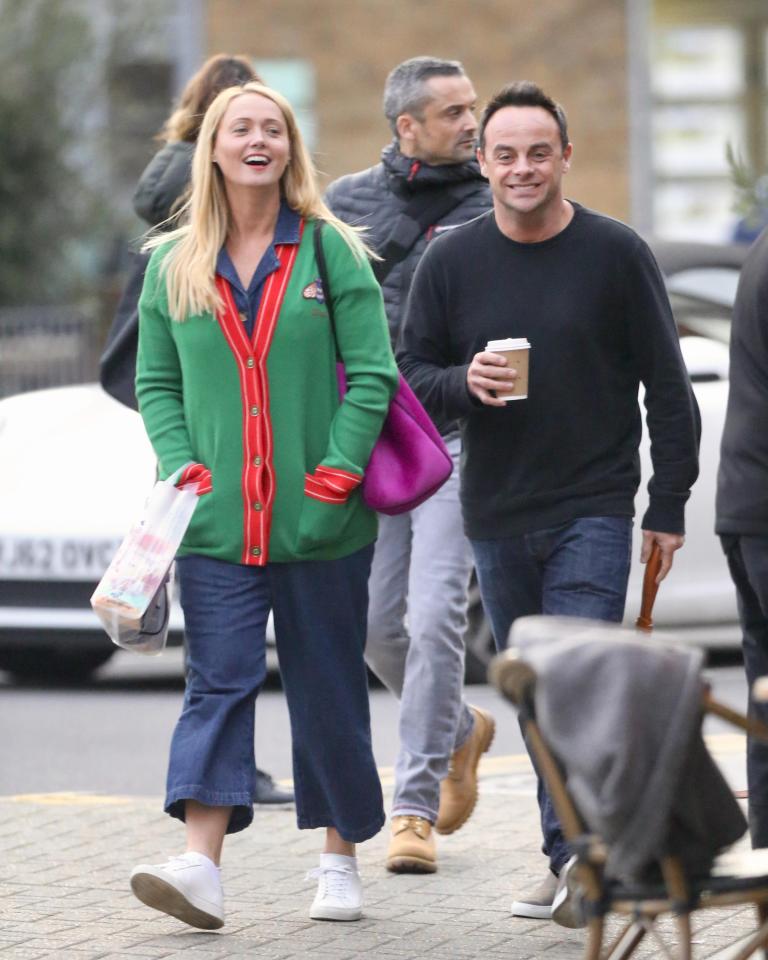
{"points": [[679, 895]]}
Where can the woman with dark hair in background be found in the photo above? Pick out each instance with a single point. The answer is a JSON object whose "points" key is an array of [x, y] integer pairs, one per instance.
{"points": [[158, 196]]}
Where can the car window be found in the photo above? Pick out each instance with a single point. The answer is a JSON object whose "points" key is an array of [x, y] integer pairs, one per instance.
{"points": [[696, 319], [710, 284], [702, 301]]}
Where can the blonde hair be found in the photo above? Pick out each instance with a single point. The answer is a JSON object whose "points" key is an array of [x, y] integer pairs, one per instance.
{"points": [[189, 266]]}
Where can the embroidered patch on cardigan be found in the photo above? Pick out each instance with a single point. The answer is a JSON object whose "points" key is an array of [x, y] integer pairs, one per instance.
{"points": [[314, 291]]}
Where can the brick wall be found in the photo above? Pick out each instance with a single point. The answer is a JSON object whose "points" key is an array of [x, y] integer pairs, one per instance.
{"points": [[576, 49]]}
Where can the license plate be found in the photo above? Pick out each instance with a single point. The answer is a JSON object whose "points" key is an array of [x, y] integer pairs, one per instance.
{"points": [[54, 558]]}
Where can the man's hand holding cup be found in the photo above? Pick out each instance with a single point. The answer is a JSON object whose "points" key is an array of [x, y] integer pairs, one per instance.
{"points": [[499, 373]]}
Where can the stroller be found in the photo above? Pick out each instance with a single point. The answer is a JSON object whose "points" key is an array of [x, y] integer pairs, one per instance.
{"points": [[613, 724]]}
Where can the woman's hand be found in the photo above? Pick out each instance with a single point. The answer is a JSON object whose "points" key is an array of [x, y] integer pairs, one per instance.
{"points": [[196, 473]]}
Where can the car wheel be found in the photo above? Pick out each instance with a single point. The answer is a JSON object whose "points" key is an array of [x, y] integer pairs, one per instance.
{"points": [[478, 639], [45, 663]]}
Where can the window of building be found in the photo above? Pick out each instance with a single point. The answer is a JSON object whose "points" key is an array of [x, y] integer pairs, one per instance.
{"points": [[709, 88], [295, 79]]}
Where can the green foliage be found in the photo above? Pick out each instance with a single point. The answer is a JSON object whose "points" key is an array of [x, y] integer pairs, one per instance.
{"points": [[45, 202]]}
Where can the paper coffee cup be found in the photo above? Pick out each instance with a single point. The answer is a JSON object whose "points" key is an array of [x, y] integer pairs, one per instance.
{"points": [[516, 350]]}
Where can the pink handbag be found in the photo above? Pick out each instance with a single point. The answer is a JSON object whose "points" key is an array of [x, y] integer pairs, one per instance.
{"points": [[409, 461]]}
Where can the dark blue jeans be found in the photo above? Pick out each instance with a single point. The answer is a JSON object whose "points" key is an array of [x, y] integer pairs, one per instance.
{"points": [[748, 564], [577, 569], [320, 612]]}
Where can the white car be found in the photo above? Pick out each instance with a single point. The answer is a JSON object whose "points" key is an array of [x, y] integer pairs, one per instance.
{"points": [[698, 599], [77, 466]]}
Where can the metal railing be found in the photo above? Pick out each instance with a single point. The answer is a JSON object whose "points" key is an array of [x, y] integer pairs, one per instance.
{"points": [[48, 347]]}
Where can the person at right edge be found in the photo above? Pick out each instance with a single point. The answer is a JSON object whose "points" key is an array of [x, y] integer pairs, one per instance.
{"points": [[427, 183], [548, 482], [742, 502]]}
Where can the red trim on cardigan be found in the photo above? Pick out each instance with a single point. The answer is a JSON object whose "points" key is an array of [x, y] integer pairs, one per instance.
{"points": [[196, 473], [264, 328], [331, 484], [232, 328], [338, 479], [257, 482], [319, 491]]}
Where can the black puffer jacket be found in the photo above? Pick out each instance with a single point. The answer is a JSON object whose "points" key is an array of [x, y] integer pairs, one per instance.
{"points": [[374, 198], [163, 182]]}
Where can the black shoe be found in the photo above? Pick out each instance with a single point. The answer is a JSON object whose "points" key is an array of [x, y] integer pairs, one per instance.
{"points": [[267, 791]]}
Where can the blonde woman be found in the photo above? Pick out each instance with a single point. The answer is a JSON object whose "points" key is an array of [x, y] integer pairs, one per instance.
{"points": [[162, 185], [236, 377]]}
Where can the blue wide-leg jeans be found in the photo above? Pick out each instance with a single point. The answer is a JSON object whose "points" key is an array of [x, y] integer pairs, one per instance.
{"points": [[577, 569], [320, 611]]}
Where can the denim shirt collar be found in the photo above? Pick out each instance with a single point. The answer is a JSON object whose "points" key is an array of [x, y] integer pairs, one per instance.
{"points": [[287, 230]]}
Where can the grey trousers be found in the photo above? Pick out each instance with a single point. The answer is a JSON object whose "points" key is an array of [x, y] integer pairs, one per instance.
{"points": [[420, 575]]}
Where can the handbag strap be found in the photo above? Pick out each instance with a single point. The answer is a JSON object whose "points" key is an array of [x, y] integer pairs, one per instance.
{"points": [[322, 267]]}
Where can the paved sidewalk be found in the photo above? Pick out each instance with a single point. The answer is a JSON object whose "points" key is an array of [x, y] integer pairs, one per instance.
{"points": [[64, 890]]}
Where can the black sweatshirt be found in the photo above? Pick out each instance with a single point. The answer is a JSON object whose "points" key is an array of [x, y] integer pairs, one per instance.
{"points": [[592, 303], [742, 480]]}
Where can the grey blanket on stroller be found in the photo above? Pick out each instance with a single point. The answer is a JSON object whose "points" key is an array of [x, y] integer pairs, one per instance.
{"points": [[622, 714]]}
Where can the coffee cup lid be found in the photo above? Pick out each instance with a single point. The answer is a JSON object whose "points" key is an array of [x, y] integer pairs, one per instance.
{"points": [[511, 343]]}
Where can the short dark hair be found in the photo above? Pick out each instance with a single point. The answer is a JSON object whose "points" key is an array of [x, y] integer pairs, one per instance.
{"points": [[405, 89], [524, 93]]}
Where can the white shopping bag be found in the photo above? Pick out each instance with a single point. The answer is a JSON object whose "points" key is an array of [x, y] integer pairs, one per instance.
{"points": [[134, 590]]}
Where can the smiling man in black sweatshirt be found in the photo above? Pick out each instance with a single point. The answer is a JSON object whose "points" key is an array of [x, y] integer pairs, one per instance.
{"points": [[548, 482]]}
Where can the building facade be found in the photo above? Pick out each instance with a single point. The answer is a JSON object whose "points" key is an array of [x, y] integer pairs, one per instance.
{"points": [[656, 91], [576, 49]]}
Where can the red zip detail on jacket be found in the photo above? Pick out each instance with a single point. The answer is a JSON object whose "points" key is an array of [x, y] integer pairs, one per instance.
{"points": [[257, 483]]}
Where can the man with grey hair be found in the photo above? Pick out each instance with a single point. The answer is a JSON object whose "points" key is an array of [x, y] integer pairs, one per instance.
{"points": [[428, 181]]}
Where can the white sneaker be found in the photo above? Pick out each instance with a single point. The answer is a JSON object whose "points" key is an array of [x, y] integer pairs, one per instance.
{"points": [[186, 887], [339, 890]]}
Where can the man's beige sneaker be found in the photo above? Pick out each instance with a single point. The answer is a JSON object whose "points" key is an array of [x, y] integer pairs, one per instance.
{"points": [[412, 847], [458, 792], [538, 903], [568, 903]]}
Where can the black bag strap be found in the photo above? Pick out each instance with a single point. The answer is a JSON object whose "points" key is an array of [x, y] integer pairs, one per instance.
{"points": [[423, 210], [322, 267]]}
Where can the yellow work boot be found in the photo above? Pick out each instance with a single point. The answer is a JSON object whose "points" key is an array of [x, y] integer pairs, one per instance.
{"points": [[458, 792], [412, 846]]}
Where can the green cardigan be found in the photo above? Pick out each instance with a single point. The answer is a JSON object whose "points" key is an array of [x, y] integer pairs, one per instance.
{"points": [[264, 415]]}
